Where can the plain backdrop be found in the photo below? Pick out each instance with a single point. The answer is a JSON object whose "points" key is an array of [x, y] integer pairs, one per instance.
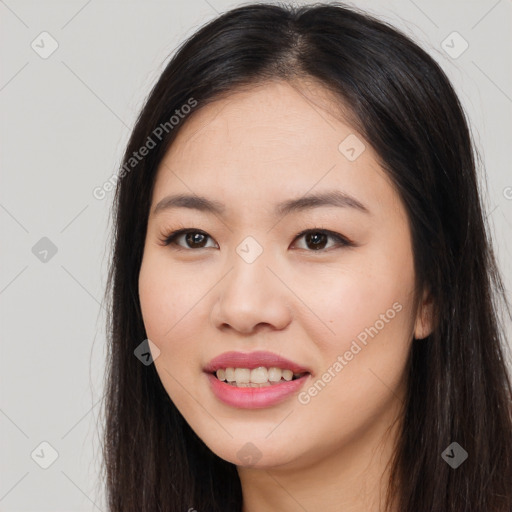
{"points": [[65, 118]]}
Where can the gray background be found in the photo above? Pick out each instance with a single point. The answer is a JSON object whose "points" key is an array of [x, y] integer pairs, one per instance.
{"points": [[64, 122]]}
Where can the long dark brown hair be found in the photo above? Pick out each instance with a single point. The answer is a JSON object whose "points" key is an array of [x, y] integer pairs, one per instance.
{"points": [[404, 105]]}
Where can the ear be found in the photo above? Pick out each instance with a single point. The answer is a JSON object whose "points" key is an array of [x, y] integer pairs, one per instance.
{"points": [[423, 325]]}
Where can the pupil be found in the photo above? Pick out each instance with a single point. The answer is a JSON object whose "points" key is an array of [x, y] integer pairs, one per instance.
{"points": [[317, 239], [195, 238]]}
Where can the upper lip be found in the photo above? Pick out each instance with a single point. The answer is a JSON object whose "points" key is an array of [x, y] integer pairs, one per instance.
{"points": [[252, 360]]}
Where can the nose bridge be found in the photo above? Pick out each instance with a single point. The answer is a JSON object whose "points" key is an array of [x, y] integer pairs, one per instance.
{"points": [[250, 275], [250, 293]]}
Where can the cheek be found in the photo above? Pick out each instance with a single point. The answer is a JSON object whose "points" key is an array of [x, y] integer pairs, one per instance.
{"points": [[377, 293], [167, 297], [173, 308], [348, 303], [371, 309], [366, 308], [166, 306], [362, 366]]}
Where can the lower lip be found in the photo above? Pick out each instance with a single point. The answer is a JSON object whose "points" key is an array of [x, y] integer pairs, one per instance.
{"points": [[255, 398]]}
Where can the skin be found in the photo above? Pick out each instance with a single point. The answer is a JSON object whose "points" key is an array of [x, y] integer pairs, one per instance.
{"points": [[250, 151]]}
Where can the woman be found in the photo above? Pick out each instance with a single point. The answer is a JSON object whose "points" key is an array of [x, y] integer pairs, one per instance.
{"points": [[304, 297]]}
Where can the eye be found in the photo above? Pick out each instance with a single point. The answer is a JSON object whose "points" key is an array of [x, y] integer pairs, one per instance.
{"points": [[316, 239], [194, 238]]}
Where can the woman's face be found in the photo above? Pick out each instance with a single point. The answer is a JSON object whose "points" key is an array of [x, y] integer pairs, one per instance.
{"points": [[340, 311]]}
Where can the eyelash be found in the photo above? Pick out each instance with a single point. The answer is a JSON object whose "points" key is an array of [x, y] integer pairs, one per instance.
{"points": [[171, 237]]}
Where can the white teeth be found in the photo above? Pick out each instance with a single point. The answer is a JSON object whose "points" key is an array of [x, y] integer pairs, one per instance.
{"points": [[242, 375], [257, 377], [274, 374], [287, 374]]}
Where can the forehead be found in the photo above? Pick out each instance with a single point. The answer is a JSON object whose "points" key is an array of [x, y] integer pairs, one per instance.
{"points": [[275, 140], [275, 120]]}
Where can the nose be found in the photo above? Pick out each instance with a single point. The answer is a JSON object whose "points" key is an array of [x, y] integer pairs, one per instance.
{"points": [[251, 298]]}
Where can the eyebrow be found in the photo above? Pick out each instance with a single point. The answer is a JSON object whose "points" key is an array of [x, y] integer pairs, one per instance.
{"points": [[315, 200]]}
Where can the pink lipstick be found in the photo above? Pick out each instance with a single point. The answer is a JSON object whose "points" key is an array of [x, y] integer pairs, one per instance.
{"points": [[254, 380]]}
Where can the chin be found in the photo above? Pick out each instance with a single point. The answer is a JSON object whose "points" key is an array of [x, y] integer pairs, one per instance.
{"points": [[259, 454]]}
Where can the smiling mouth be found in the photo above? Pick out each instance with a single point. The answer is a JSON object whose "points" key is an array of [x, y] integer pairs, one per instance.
{"points": [[257, 377]]}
